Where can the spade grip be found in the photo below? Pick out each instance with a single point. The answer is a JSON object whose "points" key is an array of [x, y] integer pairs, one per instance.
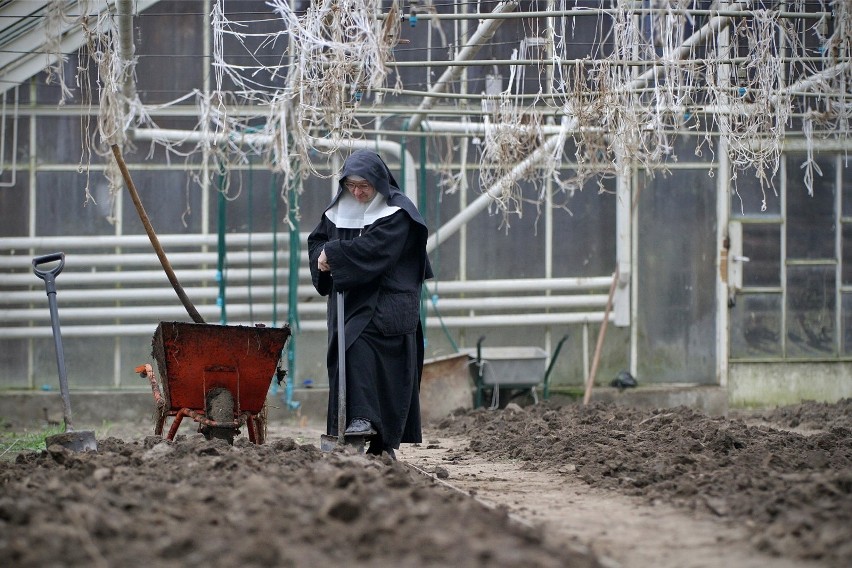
{"points": [[49, 276]]}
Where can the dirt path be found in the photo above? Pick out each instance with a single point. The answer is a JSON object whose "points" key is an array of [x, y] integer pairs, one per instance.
{"points": [[620, 530], [574, 486]]}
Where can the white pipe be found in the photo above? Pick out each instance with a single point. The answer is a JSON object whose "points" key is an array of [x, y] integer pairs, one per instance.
{"points": [[480, 37], [112, 295], [235, 309], [150, 259], [144, 276], [522, 302], [307, 291], [124, 11], [712, 26], [390, 147], [806, 83], [14, 118], [519, 285], [476, 128], [516, 320], [480, 203], [209, 294], [142, 241], [147, 330], [238, 274]]}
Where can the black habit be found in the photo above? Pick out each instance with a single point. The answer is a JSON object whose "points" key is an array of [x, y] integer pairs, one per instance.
{"points": [[379, 264]]}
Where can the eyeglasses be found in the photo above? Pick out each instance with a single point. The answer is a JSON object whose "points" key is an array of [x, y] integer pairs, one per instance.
{"points": [[362, 185]]}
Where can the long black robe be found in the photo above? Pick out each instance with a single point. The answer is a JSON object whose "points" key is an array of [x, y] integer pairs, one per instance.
{"points": [[380, 269]]}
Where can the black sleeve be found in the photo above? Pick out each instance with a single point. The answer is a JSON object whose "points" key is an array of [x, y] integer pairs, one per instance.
{"points": [[368, 256], [316, 241]]}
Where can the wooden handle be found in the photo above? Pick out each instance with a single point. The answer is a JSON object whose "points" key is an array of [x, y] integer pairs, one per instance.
{"points": [[152, 236]]}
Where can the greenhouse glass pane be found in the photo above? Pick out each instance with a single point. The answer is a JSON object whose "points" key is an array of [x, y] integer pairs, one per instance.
{"points": [[846, 322], [846, 255], [762, 247], [810, 311], [810, 218], [756, 326], [846, 187], [749, 199]]}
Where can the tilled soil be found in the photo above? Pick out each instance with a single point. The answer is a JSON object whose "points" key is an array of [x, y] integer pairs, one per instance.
{"points": [[792, 490], [147, 501], [195, 502]]}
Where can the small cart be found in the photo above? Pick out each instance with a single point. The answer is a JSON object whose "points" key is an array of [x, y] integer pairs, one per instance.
{"points": [[217, 375], [511, 369]]}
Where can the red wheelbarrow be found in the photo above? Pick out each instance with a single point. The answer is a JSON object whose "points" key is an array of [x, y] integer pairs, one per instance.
{"points": [[217, 375]]}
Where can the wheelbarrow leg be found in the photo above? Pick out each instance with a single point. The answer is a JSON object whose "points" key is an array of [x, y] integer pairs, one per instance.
{"points": [[176, 424], [251, 425], [158, 426], [261, 423]]}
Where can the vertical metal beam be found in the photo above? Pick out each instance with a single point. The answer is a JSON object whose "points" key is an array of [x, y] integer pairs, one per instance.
{"points": [[723, 213], [127, 50]]}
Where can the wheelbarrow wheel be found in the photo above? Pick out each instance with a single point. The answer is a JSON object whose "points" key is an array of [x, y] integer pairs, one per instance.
{"points": [[220, 408]]}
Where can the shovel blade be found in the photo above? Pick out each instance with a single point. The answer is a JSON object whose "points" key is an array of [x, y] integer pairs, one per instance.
{"points": [[76, 441], [329, 443]]}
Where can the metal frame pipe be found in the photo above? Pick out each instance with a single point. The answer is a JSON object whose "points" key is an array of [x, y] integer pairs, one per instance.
{"points": [[481, 203], [519, 285], [483, 34], [109, 296], [409, 174], [241, 309], [319, 325], [596, 12], [109, 242], [124, 11]]}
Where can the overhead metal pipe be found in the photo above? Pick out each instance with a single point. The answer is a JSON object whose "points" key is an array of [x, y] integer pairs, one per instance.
{"points": [[713, 26], [480, 37], [393, 148], [597, 12], [480, 203]]}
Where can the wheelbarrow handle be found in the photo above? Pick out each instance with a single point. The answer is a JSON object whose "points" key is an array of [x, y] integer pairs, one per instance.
{"points": [[49, 275]]}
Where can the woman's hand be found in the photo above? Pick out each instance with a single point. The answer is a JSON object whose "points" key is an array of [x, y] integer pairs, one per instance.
{"points": [[322, 262]]}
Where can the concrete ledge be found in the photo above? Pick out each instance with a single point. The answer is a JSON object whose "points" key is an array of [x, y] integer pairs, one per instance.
{"points": [[772, 384]]}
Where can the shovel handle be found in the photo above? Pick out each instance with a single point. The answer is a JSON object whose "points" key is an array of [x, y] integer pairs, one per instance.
{"points": [[341, 369], [52, 257]]}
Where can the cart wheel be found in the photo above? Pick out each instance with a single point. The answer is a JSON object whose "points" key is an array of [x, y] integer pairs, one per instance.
{"points": [[220, 407]]}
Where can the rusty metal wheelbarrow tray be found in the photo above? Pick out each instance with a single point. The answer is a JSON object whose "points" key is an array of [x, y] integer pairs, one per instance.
{"points": [[195, 358]]}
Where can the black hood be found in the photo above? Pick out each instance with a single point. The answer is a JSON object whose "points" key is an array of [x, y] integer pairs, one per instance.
{"points": [[370, 166]]}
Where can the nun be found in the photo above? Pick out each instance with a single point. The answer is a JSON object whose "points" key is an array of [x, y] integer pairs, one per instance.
{"points": [[370, 244]]}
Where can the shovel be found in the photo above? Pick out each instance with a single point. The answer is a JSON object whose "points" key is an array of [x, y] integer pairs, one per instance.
{"points": [[74, 441], [329, 442]]}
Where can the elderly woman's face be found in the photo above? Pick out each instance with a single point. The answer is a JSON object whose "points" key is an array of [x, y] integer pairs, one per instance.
{"points": [[363, 191]]}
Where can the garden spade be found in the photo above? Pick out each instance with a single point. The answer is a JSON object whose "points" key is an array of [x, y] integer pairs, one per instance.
{"points": [[327, 441], [70, 439]]}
